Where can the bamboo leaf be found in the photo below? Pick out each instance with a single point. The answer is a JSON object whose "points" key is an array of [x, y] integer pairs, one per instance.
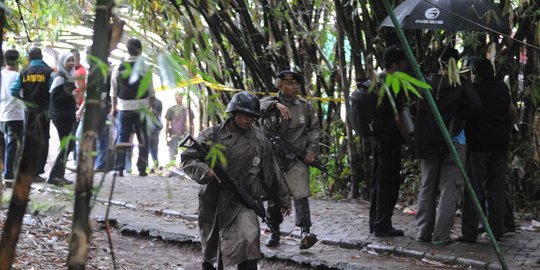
{"points": [[188, 45], [145, 83], [64, 141], [395, 82], [412, 80], [215, 154], [168, 70], [102, 66]]}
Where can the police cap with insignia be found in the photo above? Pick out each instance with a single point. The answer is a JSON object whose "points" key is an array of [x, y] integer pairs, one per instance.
{"points": [[288, 74]]}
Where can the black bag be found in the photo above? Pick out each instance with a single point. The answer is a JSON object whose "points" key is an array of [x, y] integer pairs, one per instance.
{"points": [[362, 110]]}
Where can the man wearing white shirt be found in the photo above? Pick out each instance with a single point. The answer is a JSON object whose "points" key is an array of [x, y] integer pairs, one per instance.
{"points": [[11, 115], [130, 104]]}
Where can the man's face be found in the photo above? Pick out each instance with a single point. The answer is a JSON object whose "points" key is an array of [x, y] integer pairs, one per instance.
{"points": [[178, 99], [243, 120], [402, 65], [289, 88]]}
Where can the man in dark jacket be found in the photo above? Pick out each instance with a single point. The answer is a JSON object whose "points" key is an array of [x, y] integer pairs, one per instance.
{"points": [[131, 104], [488, 138], [32, 87], [386, 146], [455, 100]]}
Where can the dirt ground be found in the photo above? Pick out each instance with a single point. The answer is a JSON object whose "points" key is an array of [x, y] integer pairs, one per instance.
{"points": [[43, 245]]}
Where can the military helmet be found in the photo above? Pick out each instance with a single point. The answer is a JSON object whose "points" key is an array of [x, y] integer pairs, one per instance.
{"points": [[245, 102]]}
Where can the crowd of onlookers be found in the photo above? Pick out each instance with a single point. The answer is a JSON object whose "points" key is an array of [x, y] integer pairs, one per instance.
{"points": [[33, 97], [478, 113]]}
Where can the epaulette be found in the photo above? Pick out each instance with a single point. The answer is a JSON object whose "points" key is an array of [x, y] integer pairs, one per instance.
{"points": [[301, 99]]}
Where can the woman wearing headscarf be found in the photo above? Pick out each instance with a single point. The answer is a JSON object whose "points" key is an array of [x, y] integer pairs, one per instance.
{"points": [[62, 113]]}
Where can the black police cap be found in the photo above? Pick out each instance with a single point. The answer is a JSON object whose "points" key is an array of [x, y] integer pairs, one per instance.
{"points": [[288, 74]]}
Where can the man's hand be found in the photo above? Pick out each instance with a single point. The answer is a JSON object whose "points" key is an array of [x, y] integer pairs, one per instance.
{"points": [[212, 175], [309, 157], [284, 110], [114, 112], [79, 114], [286, 211]]}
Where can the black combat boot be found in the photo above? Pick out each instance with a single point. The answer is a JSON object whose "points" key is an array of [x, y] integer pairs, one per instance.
{"points": [[247, 265], [208, 266], [273, 241], [308, 239]]}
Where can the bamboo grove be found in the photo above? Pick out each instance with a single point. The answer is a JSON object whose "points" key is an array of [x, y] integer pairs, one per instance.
{"points": [[335, 44]]}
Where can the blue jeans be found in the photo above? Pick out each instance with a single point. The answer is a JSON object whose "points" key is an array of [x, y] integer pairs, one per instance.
{"points": [[127, 122], [13, 132], [102, 142], [173, 147]]}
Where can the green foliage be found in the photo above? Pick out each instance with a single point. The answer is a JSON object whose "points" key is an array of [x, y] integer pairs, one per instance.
{"points": [[145, 82], [315, 185], [102, 66], [169, 69], [523, 179], [403, 81], [40, 206], [66, 140], [45, 20], [215, 154], [410, 172], [5, 199], [397, 82], [149, 118], [471, 39], [336, 161], [533, 91]]}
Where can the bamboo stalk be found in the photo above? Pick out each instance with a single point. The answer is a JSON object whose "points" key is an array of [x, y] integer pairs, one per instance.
{"points": [[79, 245]]}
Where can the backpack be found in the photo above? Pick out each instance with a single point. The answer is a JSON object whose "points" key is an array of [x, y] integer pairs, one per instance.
{"points": [[362, 109]]}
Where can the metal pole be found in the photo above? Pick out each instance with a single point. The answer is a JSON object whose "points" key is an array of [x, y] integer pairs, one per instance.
{"points": [[445, 133]]}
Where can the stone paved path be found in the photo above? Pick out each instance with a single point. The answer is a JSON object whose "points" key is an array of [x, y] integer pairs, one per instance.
{"points": [[342, 224]]}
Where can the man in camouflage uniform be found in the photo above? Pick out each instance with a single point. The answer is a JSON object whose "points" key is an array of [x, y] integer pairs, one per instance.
{"points": [[230, 232], [294, 120]]}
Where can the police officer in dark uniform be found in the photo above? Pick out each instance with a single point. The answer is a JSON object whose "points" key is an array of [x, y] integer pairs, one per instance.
{"points": [[229, 230], [34, 83]]}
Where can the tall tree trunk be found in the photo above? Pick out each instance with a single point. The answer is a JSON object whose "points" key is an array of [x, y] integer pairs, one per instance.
{"points": [[19, 198], [23, 181], [2, 20], [345, 84], [81, 232]]}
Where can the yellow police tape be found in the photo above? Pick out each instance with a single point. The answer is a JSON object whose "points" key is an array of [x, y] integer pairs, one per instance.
{"points": [[221, 87]]}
